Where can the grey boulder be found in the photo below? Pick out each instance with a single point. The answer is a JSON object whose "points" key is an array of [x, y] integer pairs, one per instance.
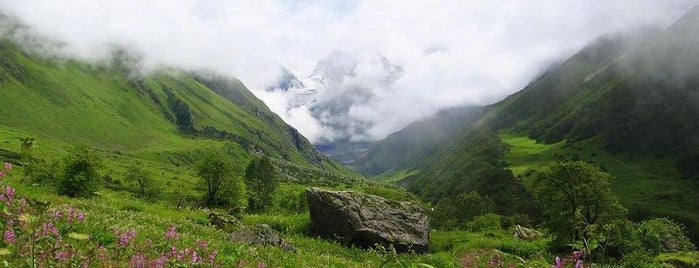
{"points": [[366, 220]]}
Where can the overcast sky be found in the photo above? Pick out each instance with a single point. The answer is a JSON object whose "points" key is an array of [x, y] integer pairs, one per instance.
{"points": [[452, 52]]}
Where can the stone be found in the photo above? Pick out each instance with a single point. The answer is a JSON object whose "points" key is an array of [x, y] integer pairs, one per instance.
{"points": [[224, 222], [367, 220], [524, 233], [261, 235]]}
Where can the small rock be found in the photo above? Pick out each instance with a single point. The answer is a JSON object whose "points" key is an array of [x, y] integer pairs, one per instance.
{"points": [[524, 233], [224, 222], [262, 235]]}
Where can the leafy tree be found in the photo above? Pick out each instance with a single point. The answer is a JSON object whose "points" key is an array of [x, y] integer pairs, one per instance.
{"points": [[454, 212], [221, 185], [579, 205], [261, 180], [79, 177], [146, 186]]}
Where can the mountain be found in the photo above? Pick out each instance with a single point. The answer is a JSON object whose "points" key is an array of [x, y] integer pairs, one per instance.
{"points": [[408, 147], [168, 114], [628, 103]]}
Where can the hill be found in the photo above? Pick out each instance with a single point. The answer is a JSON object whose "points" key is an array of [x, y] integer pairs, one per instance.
{"points": [[628, 103]]}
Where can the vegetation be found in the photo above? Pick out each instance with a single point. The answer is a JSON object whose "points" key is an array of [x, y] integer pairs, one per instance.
{"points": [[79, 177], [261, 180]]}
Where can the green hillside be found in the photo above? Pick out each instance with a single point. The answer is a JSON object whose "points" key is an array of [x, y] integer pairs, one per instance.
{"points": [[160, 115], [628, 104]]}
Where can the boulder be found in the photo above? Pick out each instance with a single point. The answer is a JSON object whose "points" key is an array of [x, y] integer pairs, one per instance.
{"points": [[261, 235], [524, 233], [366, 220]]}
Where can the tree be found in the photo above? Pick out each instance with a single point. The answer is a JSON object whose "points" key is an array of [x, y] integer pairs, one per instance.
{"points": [[145, 184], [79, 177], [454, 212], [261, 180], [579, 205], [217, 177]]}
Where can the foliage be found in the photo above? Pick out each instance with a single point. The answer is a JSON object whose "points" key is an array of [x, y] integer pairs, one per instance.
{"points": [[261, 180], [79, 177], [453, 213], [579, 205], [146, 186], [660, 235], [221, 185], [485, 222]]}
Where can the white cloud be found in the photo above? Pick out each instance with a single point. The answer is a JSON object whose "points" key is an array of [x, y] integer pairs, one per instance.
{"points": [[452, 52]]}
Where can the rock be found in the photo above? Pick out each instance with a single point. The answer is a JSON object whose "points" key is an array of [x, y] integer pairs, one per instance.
{"points": [[261, 235], [224, 222], [366, 220], [526, 233]]}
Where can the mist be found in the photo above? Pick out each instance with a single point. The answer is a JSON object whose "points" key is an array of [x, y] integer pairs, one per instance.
{"points": [[448, 53]]}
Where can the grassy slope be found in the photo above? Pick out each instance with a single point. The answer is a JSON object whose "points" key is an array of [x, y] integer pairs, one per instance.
{"points": [[640, 182]]}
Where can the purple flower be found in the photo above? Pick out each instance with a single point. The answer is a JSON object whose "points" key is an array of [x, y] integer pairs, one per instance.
{"points": [[576, 255], [171, 233], [212, 257], [125, 238], [160, 261], [81, 216], [138, 261], [578, 264], [559, 263], [61, 255], [2, 173], [9, 236], [8, 166]]}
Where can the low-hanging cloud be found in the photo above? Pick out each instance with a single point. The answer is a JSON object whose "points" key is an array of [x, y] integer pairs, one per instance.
{"points": [[449, 53]]}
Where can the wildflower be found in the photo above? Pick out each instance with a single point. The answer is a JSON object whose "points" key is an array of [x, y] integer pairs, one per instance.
{"points": [[160, 261], [125, 238], [171, 233], [81, 216], [9, 236], [8, 166], [102, 255], [212, 257], [2, 173], [10, 192], [195, 258], [261, 265], [138, 261], [576, 255], [202, 244], [559, 263], [48, 228], [578, 264], [61, 255]]}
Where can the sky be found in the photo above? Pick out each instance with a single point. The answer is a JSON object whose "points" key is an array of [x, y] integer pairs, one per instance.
{"points": [[451, 53]]}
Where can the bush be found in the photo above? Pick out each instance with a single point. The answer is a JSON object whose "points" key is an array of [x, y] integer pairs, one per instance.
{"points": [[143, 184], [221, 186], [487, 222], [79, 177], [663, 235]]}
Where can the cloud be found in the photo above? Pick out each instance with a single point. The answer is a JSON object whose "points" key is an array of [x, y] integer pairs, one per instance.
{"points": [[451, 52]]}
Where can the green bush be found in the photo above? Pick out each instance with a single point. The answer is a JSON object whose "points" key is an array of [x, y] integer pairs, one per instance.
{"points": [[222, 187], [79, 177], [663, 235], [261, 181], [142, 183], [486, 222]]}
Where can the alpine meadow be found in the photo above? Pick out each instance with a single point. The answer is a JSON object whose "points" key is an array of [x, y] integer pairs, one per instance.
{"points": [[349, 134]]}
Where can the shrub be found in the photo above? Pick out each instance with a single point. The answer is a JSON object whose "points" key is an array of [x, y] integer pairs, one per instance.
{"points": [[663, 235], [486, 222], [145, 186], [79, 177]]}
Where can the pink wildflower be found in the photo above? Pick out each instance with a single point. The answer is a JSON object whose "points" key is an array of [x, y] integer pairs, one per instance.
{"points": [[61, 255], [102, 255], [8, 166], [138, 261], [81, 216], [2, 173], [212, 257], [125, 238], [171, 233], [9, 236], [261, 265], [559, 263], [578, 264], [160, 261], [576, 255]]}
